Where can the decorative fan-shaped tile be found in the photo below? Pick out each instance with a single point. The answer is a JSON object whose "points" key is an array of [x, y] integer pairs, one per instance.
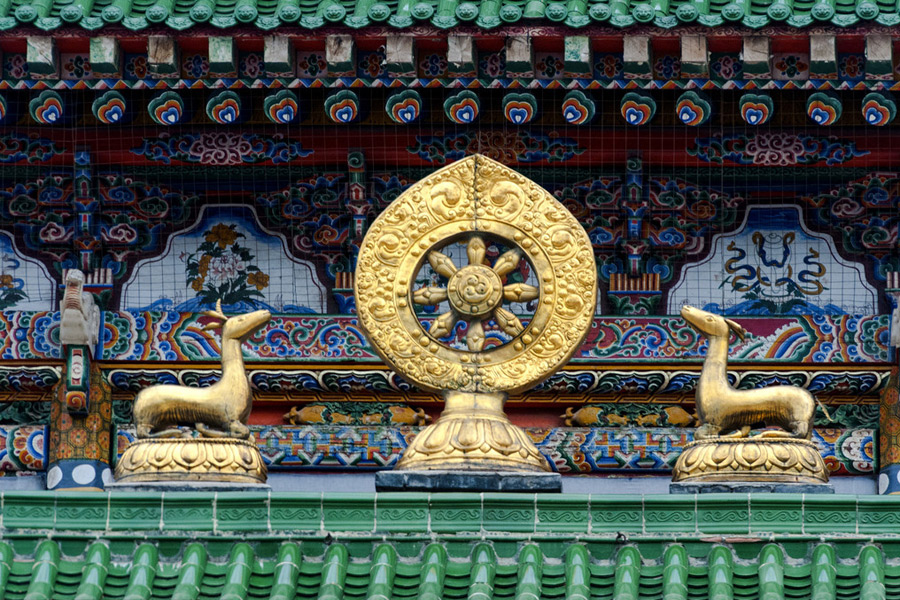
{"points": [[281, 107], [224, 108], [47, 108], [462, 108], [824, 109], [519, 109], [756, 109], [578, 108], [404, 107], [342, 107], [167, 108], [109, 108], [637, 109], [879, 109], [693, 109]]}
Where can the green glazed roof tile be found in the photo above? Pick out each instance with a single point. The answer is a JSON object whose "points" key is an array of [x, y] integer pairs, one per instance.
{"points": [[394, 568], [486, 14]]}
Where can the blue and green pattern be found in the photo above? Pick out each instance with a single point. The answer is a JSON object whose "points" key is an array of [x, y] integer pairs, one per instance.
{"points": [[879, 109], [167, 108], [824, 108], [404, 108], [224, 108], [281, 107], [578, 108], [342, 107], [462, 108], [47, 108], [693, 109], [519, 109], [756, 109], [637, 109], [109, 108]]}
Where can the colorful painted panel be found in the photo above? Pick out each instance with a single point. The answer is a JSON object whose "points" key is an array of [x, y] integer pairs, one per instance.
{"points": [[171, 336], [569, 449], [25, 284], [22, 448], [773, 265], [226, 255], [570, 387]]}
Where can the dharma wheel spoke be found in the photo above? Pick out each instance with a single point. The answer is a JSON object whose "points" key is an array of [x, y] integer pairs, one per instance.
{"points": [[520, 292], [476, 250], [441, 263], [507, 262], [443, 324], [430, 296], [508, 322], [475, 336]]}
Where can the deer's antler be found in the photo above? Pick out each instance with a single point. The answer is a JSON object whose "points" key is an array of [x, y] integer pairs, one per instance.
{"points": [[217, 314]]}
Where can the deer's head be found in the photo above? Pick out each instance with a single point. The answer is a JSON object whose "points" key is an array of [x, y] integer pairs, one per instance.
{"points": [[711, 325], [239, 327]]}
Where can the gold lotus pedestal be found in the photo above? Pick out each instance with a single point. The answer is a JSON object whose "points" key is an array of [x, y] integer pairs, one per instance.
{"points": [[750, 464], [188, 460]]}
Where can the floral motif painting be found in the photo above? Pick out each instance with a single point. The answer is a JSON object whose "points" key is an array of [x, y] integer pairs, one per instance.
{"points": [[667, 67], [311, 65], [432, 64], [726, 66], [75, 66], [852, 67], [15, 66], [194, 66], [135, 66], [773, 265], [608, 66], [24, 284], [370, 64], [251, 65], [492, 64], [790, 66], [548, 65], [226, 255]]}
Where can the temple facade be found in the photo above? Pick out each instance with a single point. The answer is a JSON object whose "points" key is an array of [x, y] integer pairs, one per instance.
{"points": [[163, 162]]}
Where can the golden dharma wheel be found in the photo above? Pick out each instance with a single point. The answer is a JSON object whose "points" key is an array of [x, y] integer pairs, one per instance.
{"points": [[472, 204]]}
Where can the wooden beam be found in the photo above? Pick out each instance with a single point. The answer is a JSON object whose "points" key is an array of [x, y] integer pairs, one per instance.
{"points": [[340, 54], [41, 55], [577, 56], [879, 57], [756, 57], [105, 57], [400, 56], [461, 57], [519, 56], [162, 56], [637, 56], [694, 56], [822, 57], [222, 56], [278, 55]]}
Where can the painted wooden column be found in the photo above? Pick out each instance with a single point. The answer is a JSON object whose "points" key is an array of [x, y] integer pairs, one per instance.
{"points": [[889, 405], [81, 413]]}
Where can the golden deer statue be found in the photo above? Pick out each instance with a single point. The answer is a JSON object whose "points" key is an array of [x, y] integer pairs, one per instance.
{"points": [[722, 408], [220, 410]]}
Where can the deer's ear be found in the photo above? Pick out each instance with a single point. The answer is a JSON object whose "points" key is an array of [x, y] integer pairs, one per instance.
{"points": [[740, 331], [212, 326]]}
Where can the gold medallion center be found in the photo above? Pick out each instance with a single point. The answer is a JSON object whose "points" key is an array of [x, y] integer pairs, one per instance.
{"points": [[475, 291]]}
